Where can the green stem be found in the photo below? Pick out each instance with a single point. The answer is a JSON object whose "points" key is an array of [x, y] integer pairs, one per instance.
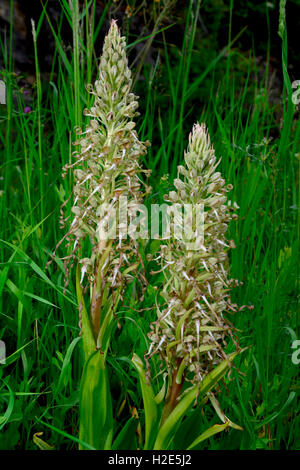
{"points": [[39, 121], [173, 393]]}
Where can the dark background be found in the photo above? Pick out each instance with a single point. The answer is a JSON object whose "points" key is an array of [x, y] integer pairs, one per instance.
{"points": [[212, 31]]}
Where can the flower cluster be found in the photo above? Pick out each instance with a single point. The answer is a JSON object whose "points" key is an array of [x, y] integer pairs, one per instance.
{"points": [[190, 333], [106, 167]]}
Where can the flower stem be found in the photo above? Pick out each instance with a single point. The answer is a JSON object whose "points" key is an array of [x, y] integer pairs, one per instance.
{"points": [[173, 393]]}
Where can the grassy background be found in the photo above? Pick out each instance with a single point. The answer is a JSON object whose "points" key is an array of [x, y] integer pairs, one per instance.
{"points": [[258, 139]]}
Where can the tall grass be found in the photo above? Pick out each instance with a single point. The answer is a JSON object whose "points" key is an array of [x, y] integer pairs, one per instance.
{"points": [[39, 384]]}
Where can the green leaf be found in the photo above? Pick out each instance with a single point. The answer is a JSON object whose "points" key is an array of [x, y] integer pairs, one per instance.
{"points": [[35, 268], [149, 36], [66, 364], [275, 415], [221, 414], [161, 394], [40, 443], [96, 416], [89, 344], [71, 438], [108, 321], [215, 429], [150, 407], [126, 438], [14, 356], [4, 419], [168, 429]]}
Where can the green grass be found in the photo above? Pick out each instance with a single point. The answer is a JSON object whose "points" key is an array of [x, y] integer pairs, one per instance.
{"points": [[39, 384]]}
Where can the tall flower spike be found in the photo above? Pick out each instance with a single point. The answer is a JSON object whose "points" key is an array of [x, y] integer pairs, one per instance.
{"points": [[190, 332], [106, 168]]}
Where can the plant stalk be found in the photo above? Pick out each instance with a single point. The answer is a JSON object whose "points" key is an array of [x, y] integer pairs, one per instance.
{"points": [[173, 393]]}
